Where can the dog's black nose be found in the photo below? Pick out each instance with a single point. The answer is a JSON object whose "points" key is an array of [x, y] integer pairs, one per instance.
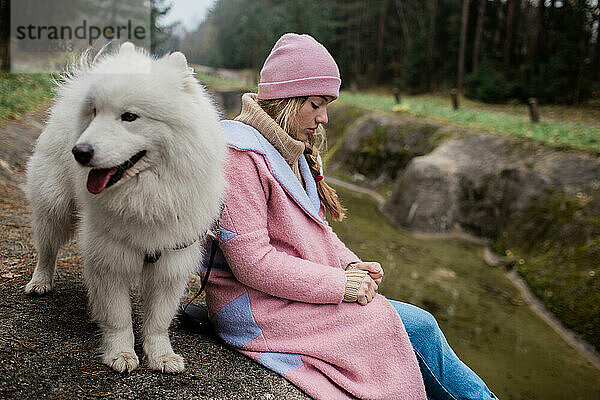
{"points": [[83, 153]]}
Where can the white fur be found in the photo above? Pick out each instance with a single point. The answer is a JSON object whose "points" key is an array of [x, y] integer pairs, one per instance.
{"points": [[172, 197]]}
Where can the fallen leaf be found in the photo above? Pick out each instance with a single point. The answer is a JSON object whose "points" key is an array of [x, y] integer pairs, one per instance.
{"points": [[10, 275]]}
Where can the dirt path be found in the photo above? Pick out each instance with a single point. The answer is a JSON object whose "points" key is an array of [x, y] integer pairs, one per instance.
{"points": [[48, 344], [584, 348]]}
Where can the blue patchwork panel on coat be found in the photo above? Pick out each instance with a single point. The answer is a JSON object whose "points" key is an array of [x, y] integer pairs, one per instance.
{"points": [[235, 323], [281, 362], [226, 234], [219, 262]]}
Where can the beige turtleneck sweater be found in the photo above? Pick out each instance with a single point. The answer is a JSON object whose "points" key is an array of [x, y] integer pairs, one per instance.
{"points": [[252, 114]]}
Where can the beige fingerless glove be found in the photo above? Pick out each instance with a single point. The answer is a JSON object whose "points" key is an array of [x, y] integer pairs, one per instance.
{"points": [[354, 278], [352, 265]]}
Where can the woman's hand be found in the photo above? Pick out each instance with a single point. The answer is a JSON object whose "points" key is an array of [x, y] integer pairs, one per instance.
{"points": [[366, 291], [373, 268]]}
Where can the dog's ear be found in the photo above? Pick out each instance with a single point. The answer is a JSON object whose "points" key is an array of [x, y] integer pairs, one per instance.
{"points": [[127, 47], [177, 58]]}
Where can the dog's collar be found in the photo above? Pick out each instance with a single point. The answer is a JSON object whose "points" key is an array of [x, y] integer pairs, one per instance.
{"points": [[214, 233], [151, 258]]}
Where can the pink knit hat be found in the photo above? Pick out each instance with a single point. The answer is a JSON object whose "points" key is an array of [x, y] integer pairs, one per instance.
{"points": [[298, 66]]}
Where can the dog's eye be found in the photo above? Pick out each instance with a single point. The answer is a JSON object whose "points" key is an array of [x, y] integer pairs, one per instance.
{"points": [[94, 111], [129, 117]]}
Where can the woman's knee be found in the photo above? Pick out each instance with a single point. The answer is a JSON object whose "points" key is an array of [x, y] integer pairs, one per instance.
{"points": [[418, 322], [426, 323]]}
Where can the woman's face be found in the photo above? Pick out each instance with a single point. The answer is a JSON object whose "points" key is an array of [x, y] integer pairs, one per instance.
{"points": [[312, 113]]}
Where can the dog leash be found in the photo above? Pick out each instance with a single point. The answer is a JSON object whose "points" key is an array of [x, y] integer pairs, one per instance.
{"points": [[214, 245], [200, 316], [197, 318]]}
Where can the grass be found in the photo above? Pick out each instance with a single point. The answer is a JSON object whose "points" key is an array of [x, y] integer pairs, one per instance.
{"points": [[588, 114], [214, 82], [21, 93], [482, 314], [555, 132]]}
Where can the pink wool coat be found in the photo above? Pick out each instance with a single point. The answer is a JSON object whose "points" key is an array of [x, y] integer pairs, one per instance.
{"points": [[276, 296]]}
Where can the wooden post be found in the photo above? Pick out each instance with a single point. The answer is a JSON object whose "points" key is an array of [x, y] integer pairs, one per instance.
{"points": [[396, 92], [454, 94], [533, 111]]}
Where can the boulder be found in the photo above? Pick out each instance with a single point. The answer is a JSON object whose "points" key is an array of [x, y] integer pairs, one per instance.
{"points": [[476, 183], [379, 145]]}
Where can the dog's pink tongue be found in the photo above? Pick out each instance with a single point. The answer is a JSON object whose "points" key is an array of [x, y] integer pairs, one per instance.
{"points": [[98, 179]]}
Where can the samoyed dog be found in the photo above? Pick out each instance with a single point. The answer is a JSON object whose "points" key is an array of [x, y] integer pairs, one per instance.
{"points": [[131, 158]]}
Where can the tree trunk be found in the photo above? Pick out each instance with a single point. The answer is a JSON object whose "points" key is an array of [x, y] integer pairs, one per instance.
{"points": [[358, 34], [478, 32], [534, 46], [462, 46], [510, 22], [380, 40], [5, 35], [597, 50], [433, 4], [403, 22]]}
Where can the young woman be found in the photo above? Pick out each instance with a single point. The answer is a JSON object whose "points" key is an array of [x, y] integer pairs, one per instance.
{"points": [[285, 291]]}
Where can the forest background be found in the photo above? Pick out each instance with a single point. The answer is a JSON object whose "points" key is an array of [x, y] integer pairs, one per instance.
{"points": [[490, 50], [498, 50]]}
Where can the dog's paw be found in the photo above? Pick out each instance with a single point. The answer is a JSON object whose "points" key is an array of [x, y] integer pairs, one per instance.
{"points": [[123, 361], [170, 363], [38, 287]]}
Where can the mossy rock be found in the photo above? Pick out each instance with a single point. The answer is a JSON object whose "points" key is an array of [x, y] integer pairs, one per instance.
{"points": [[341, 116], [474, 182], [379, 146], [556, 242]]}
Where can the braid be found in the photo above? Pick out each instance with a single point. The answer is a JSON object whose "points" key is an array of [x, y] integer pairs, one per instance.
{"points": [[327, 194]]}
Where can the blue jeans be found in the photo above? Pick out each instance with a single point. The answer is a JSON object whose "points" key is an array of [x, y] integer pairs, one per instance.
{"points": [[444, 375]]}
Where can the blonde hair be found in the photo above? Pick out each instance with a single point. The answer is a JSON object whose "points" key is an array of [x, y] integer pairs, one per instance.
{"points": [[284, 111]]}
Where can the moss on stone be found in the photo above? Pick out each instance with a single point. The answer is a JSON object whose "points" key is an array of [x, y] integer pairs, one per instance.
{"points": [[556, 244], [384, 146], [340, 118], [378, 155]]}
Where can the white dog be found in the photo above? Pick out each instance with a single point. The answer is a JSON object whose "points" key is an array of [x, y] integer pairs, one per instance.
{"points": [[132, 154]]}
